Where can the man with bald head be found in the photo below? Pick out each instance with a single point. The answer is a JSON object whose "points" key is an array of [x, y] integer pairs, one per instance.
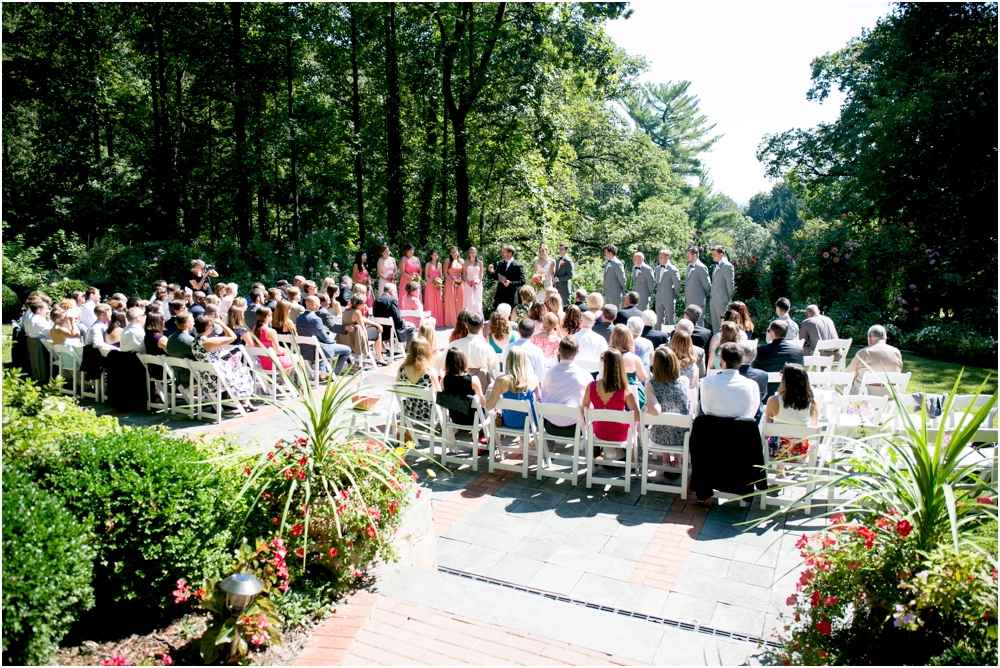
{"points": [[815, 328]]}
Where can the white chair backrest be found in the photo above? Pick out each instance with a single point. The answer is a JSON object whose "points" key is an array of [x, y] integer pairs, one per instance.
{"points": [[609, 415], [419, 315], [796, 431], [970, 403], [384, 321], [838, 347], [817, 362], [899, 381], [798, 343], [667, 329], [841, 380], [557, 410], [254, 354], [666, 420], [773, 376], [868, 407], [177, 362], [550, 362], [590, 366], [516, 405], [712, 372], [286, 340]]}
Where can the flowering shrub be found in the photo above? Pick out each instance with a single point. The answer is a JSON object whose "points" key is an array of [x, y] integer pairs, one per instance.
{"points": [[955, 342], [747, 276], [778, 280]]}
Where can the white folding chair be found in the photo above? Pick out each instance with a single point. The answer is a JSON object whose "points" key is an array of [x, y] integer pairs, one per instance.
{"points": [[319, 358], [667, 329], [616, 417], [835, 348], [815, 363], [877, 383], [839, 381], [98, 393], [546, 457], [409, 423], [455, 437], [798, 433], [590, 366], [394, 345], [853, 413], [154, 384], [523, 436], [373, 417], [649, 446], [773, 377], [798, 343], [267, 382], [209, 398], [420, 316], [970, 403], [178, 389], [53, 364], [68, 360], [712, 372]]}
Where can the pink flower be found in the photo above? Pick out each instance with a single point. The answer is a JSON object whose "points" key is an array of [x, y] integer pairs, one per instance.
{"points": [[299, 553], [116, 660], [830, 601], [791, 600], [165, 658], [333, 552], [868, 535], [262, 622], [370, 531], [283, 586], [259, 638]]}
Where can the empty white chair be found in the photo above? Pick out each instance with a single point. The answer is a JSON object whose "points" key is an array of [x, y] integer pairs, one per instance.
{"points": [[970, 403], [798, 433], [773, 377], [544, 439], [376, 419], [649, 447], [813, 363], [455, 437], [855, 412], [616, 417], [209, 397], [67, 360], [839, 381], [877, 383], [837, 348], [522, 436], [154, 384], [589, 366]]}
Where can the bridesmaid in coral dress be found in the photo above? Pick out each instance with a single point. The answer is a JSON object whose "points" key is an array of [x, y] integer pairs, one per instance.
{"points": [[433, 300], [454, 294], [359, 272], [409, 269]]}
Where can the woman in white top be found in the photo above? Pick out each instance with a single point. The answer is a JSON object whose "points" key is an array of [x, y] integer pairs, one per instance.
{"points": [[793, 404], [544, 266]]}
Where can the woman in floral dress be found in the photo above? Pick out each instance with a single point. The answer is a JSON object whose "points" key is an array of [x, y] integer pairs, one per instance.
{"points": [[239, 379]]}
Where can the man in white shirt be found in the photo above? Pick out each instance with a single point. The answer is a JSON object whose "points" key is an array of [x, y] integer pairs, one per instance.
{"points": [[95, 335], [564, 384], [37, 327], [134, 335], [728, 394], [477, 351], [591, 345], [525, 329], [87, 317]]}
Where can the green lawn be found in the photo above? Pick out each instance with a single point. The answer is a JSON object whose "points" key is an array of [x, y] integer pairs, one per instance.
{"points": [[6, 343]]}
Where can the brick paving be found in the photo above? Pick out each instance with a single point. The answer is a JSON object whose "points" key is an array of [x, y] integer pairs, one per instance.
{"points": [[662, 562], [382, 631], [461, 503]]}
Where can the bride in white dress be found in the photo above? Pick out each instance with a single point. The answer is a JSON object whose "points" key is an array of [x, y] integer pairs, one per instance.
{"points": [[472, 275], [544, 266]]}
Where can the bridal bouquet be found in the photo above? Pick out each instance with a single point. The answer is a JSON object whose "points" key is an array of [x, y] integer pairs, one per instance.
{"points": [[474, 282], [538, 279]]}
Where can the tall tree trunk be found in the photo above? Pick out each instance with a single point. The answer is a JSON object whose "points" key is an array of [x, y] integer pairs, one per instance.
{"points": [[394, 139], [291, 122], [168, 203], [209, 189], [356, 118], [427, 187], [277, 204], [239, 126], [109, 133], [461, 182], [444, 216]]}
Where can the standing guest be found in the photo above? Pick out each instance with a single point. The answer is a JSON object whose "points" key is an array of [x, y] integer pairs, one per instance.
{"points": [[700, 336], [668, 289], [359, 276], [347, 289], [518, 383], [781, 307], [793, 404], [268, 339], [416, 371], [580, 300], [547, 340], [749, 351], [283, 321], [621, 340], [454, 289], [697, 285], [239, 379], [37, 326], [499, 332], [197, 304], [571, 321], [133, 336], [565, 384], [643, 346], [310, 324], [643, 281], [236, 322], [544, 268], [199, 277], [409, 269], [614, 276], [433, 287], [461, 329], [667, 392], [116, 326], [509, 275], [878, 357], [742, 320], [629, 309], [411, 302], [815, 328], [93, 298], [527, 295], [562, 275], [611, 392], [729, 333], [295, 302], [608, 314], [728, 394], [591, 344], [534, 357], [595, 302], [256, 301], [680, 343], [472, 276], [387, 306], [385, 268], [154, 341], [722, 285], [479, 353], [458, 382], [651, 329]]}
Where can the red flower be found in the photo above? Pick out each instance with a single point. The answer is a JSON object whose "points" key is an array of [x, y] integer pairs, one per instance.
{"points": [[165, 658], [985, 500], [801, 542], [910, 224], [303, 461], [370, 531], [823, 627], [836, 259], [300, 553], [830, 601], [825, 254], [814, 600], [302, 474], [246, 469], [297, 530], [200, 593], [882, 523], [868, 535], [854, 564], [791, 600], [904, 528], [344, 493], [274, 521], [823, 654], [333, 552], [415, 477], [289, 474]]}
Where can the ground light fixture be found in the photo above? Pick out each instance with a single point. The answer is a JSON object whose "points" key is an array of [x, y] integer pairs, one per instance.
{"points": [[240, 588]]}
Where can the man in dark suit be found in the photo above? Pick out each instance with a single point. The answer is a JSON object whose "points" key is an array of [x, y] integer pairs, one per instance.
{"points": [[629, 310], [776, 354], [580, 300], [509, 277], [701, 335], [179, 343], [607, 323], [198, 307], [310, 324], [651, 332], [256, 301], [387, 306], [346, 286], [562, 277]]}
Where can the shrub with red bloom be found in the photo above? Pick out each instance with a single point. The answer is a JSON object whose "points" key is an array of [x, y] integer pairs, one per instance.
{"points": [[904, 528], [297, 530], [823, 627]]}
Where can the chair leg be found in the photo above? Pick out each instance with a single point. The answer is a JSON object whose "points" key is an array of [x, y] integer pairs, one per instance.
{"points": [[628, 467], [542, 448], [644, 471], [493, 449], [590, 462]]}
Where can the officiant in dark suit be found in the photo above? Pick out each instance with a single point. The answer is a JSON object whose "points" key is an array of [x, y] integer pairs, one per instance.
{"points": [[509, 277], [562, 277]]}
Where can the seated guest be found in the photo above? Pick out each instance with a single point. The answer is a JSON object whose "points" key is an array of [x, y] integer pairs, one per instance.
{"points": [[608, 314], [131, 302], [878, 357], [595, 302], [92, 298], [635, 372], [37, 327], [282, 286], [700, 336], [499, 331], [504, 308], [268, 339], [116, 325], [416, 371], [815, 328], [411, 302], [793, 404], [256, 301], [179, 343], [224, 299], [742, 319], [299, 282], [536, 360], [749, 351], [198, 304], [308, 289], [333, 301], [346, 289], [571, 321], [775, 355], [564, 384], [295, 302], [667, 392], [554, 305], [527, 295], [611, 392], [236, 322], [592, 345], [387, 306], [283, 321], [458, 382], [781, 307], [478, 353], [629, 310], [547, 340], [519, 383], [205, 348], [326, 313], [133, 337], [650, 330], [580, 300], [364, 330], [536, 312], [687, 327], [95, 335], [274, 296], [728, 394], [643, 346], [176, 306], [728, 333], [212, 313], [65, 330], [461, 328], [154, 341], [309, 324]]}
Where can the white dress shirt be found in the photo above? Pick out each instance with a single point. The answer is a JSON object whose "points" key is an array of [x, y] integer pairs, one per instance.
{"points": [[133, 339], [592, 345], [37, 326], [478, 353], [564, 384], [536, 359], [95, 337], [728, 394], [87, 315]]}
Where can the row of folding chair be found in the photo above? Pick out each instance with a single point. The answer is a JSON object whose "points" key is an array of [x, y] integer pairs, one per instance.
{"points": [[194, 398]]}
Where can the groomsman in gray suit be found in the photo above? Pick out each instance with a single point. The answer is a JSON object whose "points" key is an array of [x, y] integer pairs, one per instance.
{"points": [[722, 286], [668, 289], [614, 276], [642, 280], [562, 277], [697, 284]]}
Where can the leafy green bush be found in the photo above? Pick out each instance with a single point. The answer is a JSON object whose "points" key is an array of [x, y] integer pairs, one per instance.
{"points": [[48, 564], [61, 289], [955, 341], [11, 304], [160, 510]]}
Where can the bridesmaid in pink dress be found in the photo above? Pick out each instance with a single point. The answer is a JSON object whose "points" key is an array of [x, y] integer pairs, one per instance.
{"points": [[454, 294], [359, 272], [433, 300], [409, 269]]}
